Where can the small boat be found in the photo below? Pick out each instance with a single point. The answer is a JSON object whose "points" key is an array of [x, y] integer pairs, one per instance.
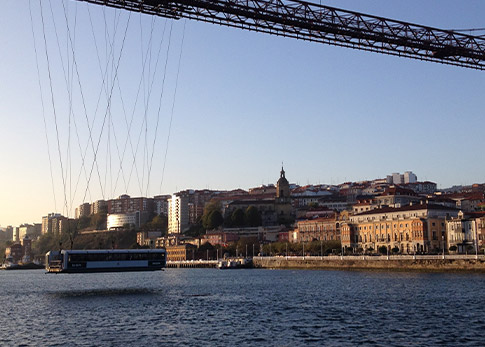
{"points": [[26, 266], [113, 260], [241, 263]]}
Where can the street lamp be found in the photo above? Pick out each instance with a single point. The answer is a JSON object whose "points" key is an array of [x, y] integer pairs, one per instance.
{"points": [[443, 239]]}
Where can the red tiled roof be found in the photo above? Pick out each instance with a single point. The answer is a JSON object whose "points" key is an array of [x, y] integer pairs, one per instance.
{"points": [[412, 207]]}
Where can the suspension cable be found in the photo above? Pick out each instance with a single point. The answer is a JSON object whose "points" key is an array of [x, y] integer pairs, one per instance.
{"points": [[173, 107], [42, 104], [53, 104]]}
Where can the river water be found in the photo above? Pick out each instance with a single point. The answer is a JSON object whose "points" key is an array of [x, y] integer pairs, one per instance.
{"points": [[242, 308]]}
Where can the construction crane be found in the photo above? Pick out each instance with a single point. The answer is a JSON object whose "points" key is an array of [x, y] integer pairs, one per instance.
{"points": [[319, 23]]}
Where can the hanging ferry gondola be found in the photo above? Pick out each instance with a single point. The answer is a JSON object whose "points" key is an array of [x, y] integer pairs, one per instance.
{"points": [[113, 260]]}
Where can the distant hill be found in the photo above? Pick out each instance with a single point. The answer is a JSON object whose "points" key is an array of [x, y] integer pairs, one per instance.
{"points": [[95, 240]]}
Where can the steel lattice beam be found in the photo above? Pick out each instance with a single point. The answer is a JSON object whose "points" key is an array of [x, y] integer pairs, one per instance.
{"points": [[324, 24]]}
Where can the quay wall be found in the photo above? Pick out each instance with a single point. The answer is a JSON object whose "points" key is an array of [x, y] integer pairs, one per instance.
{"points": [[395, 263], [192, 264]]}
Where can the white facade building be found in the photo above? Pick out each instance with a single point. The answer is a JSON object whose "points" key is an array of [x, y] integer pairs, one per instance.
{"points": [[118, 221], [409, 177], [405, 178], [178, 213], [462, 233]]}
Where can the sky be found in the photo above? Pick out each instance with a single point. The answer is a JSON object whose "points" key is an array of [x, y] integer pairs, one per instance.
{"points": [[231, 106]]}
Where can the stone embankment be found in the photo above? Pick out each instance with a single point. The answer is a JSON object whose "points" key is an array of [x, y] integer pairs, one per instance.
{"points": [[470, 263]]}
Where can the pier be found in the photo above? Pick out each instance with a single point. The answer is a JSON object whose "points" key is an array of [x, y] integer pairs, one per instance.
{"points": [[192, 264], [438, 263]]}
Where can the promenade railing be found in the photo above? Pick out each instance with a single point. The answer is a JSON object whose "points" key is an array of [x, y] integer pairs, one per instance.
{"points": [[378, 257]]}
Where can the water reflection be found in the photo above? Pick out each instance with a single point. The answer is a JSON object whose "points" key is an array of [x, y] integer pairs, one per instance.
{"points": [[108, 292]]}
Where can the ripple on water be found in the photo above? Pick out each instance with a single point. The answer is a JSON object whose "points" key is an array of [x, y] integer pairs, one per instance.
{"points": [[254, 307]]}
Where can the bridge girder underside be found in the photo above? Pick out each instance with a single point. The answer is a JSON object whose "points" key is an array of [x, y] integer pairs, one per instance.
{"points": [[324, 24]]}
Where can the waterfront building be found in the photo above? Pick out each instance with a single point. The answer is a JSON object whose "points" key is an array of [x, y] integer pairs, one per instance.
{"points": [[275, 207], [14, 253], [308, 195], [397, 178], [16, 234], [128, 205], [468, 202], [480, 222], [117, 221], [263, 203], [27, 230], [225, 236], [181, 252], [26, 249], [160, 204], [413, 228], [60, 224], [178, 213], [462, 234], [425, 187], [363, 206], [318, 229], [334, 203], [99, 206], [83, 210], [395, 196], [263, 189], [325, 228], [148, 238], [177, 239], [47, 223]]}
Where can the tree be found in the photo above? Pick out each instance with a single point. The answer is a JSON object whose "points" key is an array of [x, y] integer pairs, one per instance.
{"points": [[159, 223], [195, 230], [237, 218], [98, 221], [252, 217], [83, 222], [209, 208], [214, 220]]}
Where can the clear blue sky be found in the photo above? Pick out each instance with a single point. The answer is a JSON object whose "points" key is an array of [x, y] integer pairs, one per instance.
{"points": [[245, 102]]}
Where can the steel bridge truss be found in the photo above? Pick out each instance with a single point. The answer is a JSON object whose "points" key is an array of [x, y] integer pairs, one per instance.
{"points": [[324, 24]]}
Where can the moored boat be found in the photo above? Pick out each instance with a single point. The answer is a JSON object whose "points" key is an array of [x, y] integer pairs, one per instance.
{"points": [[240, 263]]}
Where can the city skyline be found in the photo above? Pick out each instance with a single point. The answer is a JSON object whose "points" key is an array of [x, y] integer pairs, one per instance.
{"points": [[245, 102]]}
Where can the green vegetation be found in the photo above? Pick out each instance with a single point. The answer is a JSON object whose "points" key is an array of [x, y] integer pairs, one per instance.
{"points": [[94, 222], [212, 217], [158, 223], [237, 218], [3, 246], [99, 240], [252, 217], [195, 230]]}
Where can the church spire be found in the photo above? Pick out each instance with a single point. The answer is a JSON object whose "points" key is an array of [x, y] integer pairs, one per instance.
{"points": [[282, 173]]}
